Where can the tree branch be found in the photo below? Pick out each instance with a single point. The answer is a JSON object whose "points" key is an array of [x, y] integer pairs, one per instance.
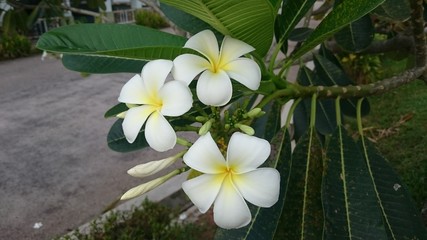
{"points": [[365, 90], [417, 20], [358, 91]]}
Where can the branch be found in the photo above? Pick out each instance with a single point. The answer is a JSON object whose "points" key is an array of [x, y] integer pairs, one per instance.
{"points": [[361, 90], [417, 20], [352, 91], [323, 9], [398, 43]]}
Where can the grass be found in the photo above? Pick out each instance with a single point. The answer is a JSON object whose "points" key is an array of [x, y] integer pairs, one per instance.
{"points": [[398, 123], [148, 221]]}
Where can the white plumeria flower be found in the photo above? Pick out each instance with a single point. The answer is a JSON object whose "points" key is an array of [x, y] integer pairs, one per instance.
{"points": [[154, 99], [227, 183], [214, 86]]}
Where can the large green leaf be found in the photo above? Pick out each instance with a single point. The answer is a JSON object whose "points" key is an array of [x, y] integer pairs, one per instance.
{"points": [[357, 36], [339, 17], [111, 47], [292, 12], [117, 141], [265, 220], [399, 10], [251, 21], [186, 21], [101, 64], [348, 195], [401, 218], [302, 216]]}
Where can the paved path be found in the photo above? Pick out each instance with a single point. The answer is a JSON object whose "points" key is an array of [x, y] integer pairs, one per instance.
{"points": [[55, 166]]}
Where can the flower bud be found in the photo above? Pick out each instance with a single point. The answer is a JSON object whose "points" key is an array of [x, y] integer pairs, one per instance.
{"points": [[205, 128], [246, 129], [148, 186], [201, 119], [253, 113], [150, 168]]}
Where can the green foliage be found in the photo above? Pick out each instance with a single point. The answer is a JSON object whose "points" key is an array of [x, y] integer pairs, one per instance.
{"points": [[91, 48], [363, 69], [148, 221], [341, 16], [333, 186], [251, 27], [150, 19], [14, 45]]}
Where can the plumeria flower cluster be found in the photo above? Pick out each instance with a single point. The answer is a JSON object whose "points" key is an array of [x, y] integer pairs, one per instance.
{"points": [[226, 181]]}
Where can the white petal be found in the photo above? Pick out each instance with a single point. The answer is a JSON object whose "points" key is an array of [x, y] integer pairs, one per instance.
{"points": [[246, 71], [230, 209], [203, 190], [232, 48], [176, 97], [155, 73], [204, 156], [159, 133], [259, 187], [245, 153], [134, 119], [133, 91], [205, 43], [188, 66], [214, 89]]}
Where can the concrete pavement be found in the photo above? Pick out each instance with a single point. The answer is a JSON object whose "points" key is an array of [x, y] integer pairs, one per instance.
{"points": [[55, 166]]}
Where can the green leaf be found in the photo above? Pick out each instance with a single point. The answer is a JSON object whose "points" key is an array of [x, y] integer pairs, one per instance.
{"points": [[96, 48], [186, 21], [292, 12], [300, 34], [329, 74], [401, 219], [117, 141], [101, 64], [302, 216], [399, 10], [325, 114], [265, 220], [357, 36], [268, 125], [342, 15], [251, 21], [349, 199], [119, 108]]}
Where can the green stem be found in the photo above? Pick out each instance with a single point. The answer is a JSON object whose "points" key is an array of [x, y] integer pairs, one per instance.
{"points": [[186, 129], [313, 110], [291, 111], [338, 111], [274, 56]]}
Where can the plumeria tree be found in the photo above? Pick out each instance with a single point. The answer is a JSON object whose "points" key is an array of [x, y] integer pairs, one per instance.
{"points": [[273, 157]]}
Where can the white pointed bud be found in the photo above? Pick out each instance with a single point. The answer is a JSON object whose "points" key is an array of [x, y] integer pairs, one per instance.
{"points": [[246, 129], [253, 113], [150, 168], [205, 128], [148, 186]]}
